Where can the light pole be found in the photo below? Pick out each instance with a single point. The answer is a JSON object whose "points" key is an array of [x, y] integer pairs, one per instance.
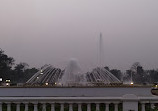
{"points": [[131, 79], [1, 81]]}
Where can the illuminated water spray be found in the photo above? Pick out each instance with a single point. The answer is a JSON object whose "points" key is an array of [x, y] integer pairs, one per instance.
{"points": [[72, 75], [101, 51]]}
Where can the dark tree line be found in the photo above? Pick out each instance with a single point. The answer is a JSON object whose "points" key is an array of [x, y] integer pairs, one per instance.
{"points": [[17, 73], [136, 74], [20, 73]]}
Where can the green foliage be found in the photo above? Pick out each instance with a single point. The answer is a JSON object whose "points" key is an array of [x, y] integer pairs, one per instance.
{"points": [[84, 107], [120, 107], [57, 107], [4, 107], [75, 107], [22, 107], [13, 107], [102, 107], [93, 107], [111, 107], [139, 107], [31, 107]]}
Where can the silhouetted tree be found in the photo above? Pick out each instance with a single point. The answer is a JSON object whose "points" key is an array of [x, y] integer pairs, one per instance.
{"points": [[20, 73], [136, 74], [116, 73], [135, 66], [152, 75], [21, 67], [107, 68], [6, 64], [23, 73], [29, 73]]}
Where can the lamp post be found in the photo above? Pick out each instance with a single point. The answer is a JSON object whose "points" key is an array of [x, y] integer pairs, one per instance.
{"points": [[131, 79], [1, 81], [8, 82]]}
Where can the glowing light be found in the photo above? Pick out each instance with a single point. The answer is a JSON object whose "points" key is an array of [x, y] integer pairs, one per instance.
{"points": [[132, 83], [46, 84], [0, 79], [41, 71], [7, 84], [7, 80], [37, 77], [55, 83]]}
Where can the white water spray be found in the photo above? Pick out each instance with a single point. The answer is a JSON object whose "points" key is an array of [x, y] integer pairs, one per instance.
{"points": [[101, 52]]}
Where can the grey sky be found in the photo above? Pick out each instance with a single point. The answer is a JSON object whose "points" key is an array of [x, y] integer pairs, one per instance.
{"points": [[53, 31]]}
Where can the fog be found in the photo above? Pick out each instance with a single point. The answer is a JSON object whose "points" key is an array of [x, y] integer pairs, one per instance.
{"points": [[42, 32]]}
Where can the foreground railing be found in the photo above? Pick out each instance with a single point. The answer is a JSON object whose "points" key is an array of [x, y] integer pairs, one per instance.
{"points": [[60, 106], [77, 104]]}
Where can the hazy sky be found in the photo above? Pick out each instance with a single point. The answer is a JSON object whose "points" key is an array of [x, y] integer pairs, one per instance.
{"points": [[42, 32]]}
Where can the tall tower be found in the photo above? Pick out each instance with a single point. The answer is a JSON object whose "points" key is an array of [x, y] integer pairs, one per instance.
{"points": [[101, 51]]}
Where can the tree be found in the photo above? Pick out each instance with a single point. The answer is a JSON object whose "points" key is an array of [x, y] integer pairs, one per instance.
{"points": [[6, 64], [29, 73], [19, 72], [21, 67], [152, 75], [137, 73], [22, 72], [116, 73], [107, 68], [135, 66]]}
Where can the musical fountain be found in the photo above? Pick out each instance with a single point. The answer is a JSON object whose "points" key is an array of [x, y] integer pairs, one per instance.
{"points": [[70, 90], [72, 76]]}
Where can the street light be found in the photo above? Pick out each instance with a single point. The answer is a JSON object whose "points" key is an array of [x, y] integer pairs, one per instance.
{"points": [[46, 84], [7, 82]]}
